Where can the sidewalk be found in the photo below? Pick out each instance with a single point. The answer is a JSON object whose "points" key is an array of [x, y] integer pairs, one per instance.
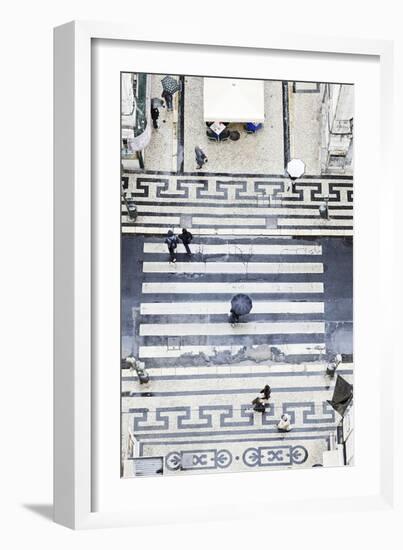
{"points": [[259, 153], [256, 206], [160, 154], [305, 120]]}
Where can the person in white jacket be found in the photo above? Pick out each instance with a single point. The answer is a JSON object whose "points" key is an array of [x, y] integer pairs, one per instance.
{"points": [[284, 425]]}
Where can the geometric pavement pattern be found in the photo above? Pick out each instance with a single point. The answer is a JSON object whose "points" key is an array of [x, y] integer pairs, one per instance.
{"points": [[240, 205], [196, 409]]}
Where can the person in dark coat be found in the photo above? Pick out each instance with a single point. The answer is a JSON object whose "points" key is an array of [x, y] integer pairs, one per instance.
{"points": [[168, 99], [154, 116], [171, 241], [233, 317], [266, 391], [186, 238], [258, 405], [201, 157]]}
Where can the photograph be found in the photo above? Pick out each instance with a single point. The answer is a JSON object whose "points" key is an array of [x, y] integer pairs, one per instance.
{"points": [[236, 274], [209, 289]]}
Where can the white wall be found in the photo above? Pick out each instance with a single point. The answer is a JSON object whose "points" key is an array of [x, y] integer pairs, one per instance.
{"points": [[345, 105], [26, 266]]}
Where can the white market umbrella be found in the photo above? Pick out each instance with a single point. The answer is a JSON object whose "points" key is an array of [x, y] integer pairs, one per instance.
{"points": [[295, 168], [233, 100]]}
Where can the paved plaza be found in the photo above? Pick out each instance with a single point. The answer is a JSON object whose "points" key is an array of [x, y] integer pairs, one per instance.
{"points": [[253, 233]]}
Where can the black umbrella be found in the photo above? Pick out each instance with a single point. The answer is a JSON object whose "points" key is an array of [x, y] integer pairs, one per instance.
{"points": [[241, 304], [169, 84], [342, 395]]}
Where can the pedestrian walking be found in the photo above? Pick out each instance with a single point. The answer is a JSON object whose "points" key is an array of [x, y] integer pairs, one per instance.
{"points": [[171, 241], [266, 392], [201, 157], [168, 99], [155, 113], [241, 304], [324, 209], [332, 366], [259, 405], [139, 368], [285, 423], [233, 317], [186, 239]]}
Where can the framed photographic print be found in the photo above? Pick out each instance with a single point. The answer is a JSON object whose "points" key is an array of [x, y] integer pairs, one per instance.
{"points": [[217, 238]]}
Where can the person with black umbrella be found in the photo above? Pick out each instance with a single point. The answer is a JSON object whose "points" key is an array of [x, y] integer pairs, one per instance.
{"points": [[168, 99], [233, 317], [169, 86], [241, 304]]}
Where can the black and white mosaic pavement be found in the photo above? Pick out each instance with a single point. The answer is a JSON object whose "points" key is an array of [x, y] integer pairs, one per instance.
{"points": [[252, 235]]}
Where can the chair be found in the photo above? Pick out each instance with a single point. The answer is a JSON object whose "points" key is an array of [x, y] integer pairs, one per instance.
{"points": [[252, 128], [212, 136], [225, 134]]}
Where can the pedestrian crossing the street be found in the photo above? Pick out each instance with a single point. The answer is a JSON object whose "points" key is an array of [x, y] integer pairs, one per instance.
{"points": [[196, 410], [287, 298]]}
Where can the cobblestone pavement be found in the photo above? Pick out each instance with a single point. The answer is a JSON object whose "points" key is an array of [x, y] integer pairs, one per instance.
{"points": [[265, 147], [260, 153], [254, 233], [160, 154], [239, 205], [204, 373], [305, 118]]}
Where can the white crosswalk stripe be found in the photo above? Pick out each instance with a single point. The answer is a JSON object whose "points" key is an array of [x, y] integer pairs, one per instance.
{"points": [[219, 329], [232, 267], [229, 221], [320, 231], [239, 248], [231, 288], [170, 220], [216, 308], [308, 221]]}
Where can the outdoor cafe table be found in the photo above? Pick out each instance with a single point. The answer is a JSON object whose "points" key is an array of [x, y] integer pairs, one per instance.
{"points": [[217, 127]]}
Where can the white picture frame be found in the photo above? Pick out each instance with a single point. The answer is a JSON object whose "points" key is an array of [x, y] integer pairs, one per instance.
{"points": [[76, 469]]}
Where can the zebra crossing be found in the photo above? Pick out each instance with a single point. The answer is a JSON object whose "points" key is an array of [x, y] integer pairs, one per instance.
{"points": [[204, 372]]}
